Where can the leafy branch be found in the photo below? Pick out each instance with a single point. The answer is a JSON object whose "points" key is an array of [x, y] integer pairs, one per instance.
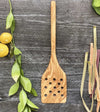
{"points": [[25, 105], [96, 6]]}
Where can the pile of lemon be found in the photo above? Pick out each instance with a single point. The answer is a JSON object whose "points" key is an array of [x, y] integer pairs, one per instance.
{"points": [[5, 38]]}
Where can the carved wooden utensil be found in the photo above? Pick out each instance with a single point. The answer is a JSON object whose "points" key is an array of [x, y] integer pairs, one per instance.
{"points": [[53, 83]]}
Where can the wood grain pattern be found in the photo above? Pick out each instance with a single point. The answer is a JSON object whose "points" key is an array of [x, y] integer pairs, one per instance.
{"points": [[53, 82], [75, 20]]}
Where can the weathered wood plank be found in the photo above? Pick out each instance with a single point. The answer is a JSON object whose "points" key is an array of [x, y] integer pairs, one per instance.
{"points": [[37, 70], [11, 107], [75, 19]]}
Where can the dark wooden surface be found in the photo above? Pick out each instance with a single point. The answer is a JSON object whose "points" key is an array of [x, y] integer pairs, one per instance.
{"points": [[75, 19]]}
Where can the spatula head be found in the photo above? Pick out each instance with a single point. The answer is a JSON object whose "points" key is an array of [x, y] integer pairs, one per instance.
{"points": [[53, 84]]}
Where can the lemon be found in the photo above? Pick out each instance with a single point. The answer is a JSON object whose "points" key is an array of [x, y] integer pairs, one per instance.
{"points": [[3, 50], [5, 38]]}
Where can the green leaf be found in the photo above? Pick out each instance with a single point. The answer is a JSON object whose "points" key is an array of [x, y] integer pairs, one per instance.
{"points": [[29, 109], [9, 20], [33, 91], [22, 72], [97, 10], [96, 6], [33, 110], [14, 89], [26, 83], [26, 109], [15, 71], [31, 104], [96, 3], [20, 107], [17, 51], [19, 60], [13, 26], [23, 99]]}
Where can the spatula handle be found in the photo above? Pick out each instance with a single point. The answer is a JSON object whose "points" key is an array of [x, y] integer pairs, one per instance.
{"points": [[53, 28]]}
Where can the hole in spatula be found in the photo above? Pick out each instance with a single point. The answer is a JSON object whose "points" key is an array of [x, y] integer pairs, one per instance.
{"points": [[62, 87], [54, 79], [58, 91], [62, 95], [46, 78], [50, 82], [54, 87], [61, 79], [45, 95], [45, 87], [50, 91], [58, 83], [54, 94]]}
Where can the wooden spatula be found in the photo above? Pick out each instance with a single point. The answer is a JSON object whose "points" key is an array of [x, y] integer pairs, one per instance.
{"points": [[53, 83]]}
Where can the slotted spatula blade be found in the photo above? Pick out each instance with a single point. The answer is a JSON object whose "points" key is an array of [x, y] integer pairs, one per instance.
{"points": [[53, 82]]}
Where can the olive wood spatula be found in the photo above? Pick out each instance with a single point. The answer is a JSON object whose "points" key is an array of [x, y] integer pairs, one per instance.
{"points": [[53, 82]]}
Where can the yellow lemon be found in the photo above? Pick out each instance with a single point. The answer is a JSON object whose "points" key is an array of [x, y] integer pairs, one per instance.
{"points": [[3, 50], [5, 38]]}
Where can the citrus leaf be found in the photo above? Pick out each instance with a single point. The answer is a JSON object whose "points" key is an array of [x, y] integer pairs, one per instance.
{"points": [[26, 83], [96, 6], [96, 3], [15, 71], [9, 20], [13, 26], [26, 109], [32, 109], [14, 89], [22, 72], [31, 104], [23, 99], [33, 91], [20, 108], [29, 109], [19, 60], [17, 51], [97, 10]]}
